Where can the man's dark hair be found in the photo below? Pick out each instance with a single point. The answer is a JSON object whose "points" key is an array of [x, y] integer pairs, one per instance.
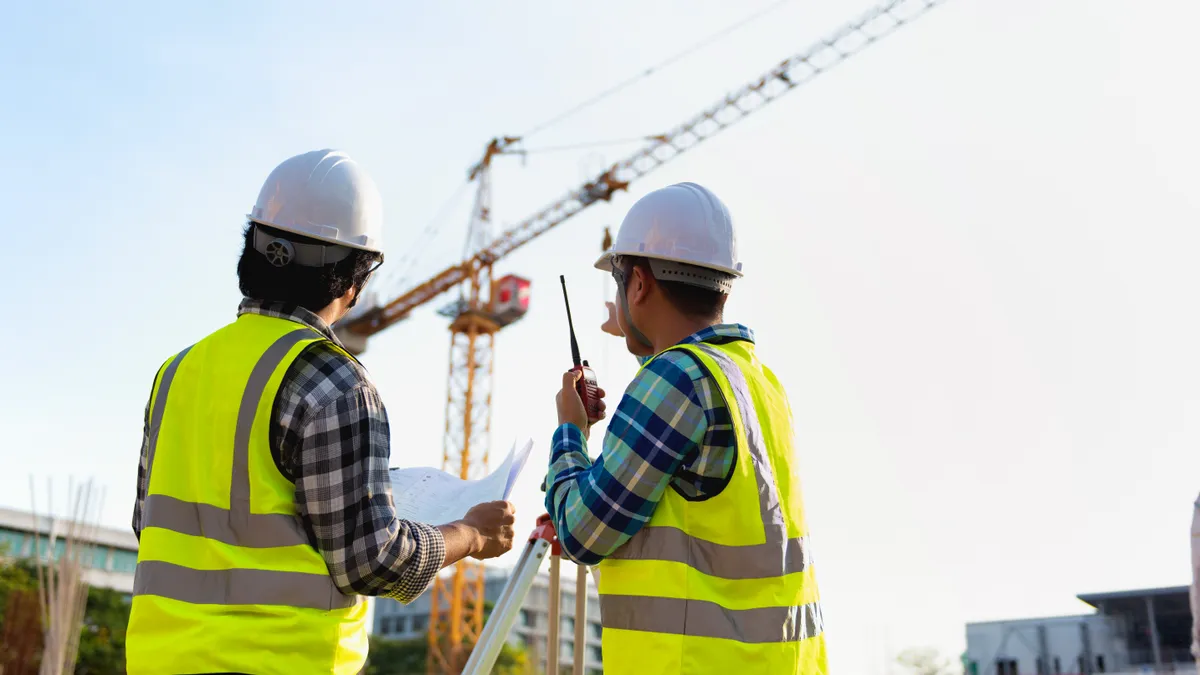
{"points": [[312, 288], [691, 301]]}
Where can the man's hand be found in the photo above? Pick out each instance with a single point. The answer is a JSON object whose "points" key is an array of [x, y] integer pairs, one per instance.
{"points": [[611, 326], [493, 525], [570, 406]]}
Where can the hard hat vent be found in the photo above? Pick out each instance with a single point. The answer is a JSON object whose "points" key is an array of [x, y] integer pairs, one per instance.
{"points": [[279, 252]]}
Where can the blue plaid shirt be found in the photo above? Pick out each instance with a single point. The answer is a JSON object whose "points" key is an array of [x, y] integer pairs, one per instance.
{"points": [[671, 429]]}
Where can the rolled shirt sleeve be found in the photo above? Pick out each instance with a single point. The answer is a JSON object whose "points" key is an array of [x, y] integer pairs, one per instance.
{"points": [[597, 507], [344, 494]]}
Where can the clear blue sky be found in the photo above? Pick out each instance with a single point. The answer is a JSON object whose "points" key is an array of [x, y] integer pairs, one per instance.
{"points": [[970, 253]]}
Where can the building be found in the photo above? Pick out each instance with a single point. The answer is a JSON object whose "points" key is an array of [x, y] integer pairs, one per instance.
{"points": [[395, 620], [1143, 631], [109, 562]]}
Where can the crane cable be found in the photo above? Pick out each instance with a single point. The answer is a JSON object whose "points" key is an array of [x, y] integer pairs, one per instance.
{"points": [[653, 69], [399, 275], [584, 146]]}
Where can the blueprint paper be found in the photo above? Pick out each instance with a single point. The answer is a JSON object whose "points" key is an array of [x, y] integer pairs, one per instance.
{"points": [[426, 495]]}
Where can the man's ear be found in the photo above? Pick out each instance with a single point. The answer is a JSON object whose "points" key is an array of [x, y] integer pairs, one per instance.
{"points": [[639, 285], [352, 296]]}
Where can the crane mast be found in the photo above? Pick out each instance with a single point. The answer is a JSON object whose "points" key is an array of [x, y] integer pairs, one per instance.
{"points": [[457, 603]]}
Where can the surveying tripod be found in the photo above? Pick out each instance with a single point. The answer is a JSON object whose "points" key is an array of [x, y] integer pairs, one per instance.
{"points": [[542, 542]]}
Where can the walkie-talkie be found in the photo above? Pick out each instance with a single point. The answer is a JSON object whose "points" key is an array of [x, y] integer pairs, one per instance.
{"points": [[588, 390]]}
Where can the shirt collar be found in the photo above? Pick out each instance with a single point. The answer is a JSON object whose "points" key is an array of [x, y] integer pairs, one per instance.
{"points": [[720, 334], [290, 312]]}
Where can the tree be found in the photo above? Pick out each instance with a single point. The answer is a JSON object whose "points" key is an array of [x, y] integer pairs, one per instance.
{"points": [[20, 618], [396, 657], [407, 657], [512, 661], [925, 661], [102, 638], [15, 575]]}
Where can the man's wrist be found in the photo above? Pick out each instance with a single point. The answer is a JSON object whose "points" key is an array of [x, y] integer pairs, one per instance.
{"points": [[578, 424], [468, 536], [475, 537]]}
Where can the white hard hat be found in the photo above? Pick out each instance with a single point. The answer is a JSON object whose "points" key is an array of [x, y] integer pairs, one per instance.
{"points": [[324, 195], [683, 223]]}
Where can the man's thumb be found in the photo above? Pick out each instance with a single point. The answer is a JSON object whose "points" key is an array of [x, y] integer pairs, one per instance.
{"points": [[570, 378]]}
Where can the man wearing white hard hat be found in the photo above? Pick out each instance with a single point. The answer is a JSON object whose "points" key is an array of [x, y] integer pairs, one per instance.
{"points": [[692, 512], [264, 509]]}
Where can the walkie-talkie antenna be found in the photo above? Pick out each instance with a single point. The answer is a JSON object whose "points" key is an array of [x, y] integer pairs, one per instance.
{"points": [[570, 324]]}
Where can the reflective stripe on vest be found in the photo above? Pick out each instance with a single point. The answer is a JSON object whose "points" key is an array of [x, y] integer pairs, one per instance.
{"points": [[777, 557], [732, 562], [701, 618], [235, 526]]}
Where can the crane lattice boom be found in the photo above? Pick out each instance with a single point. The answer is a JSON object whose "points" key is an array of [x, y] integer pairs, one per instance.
{"points": [[788, 74]]}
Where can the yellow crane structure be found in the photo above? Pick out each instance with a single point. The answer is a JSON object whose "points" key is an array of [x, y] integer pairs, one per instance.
{"points": [[486, 305]]}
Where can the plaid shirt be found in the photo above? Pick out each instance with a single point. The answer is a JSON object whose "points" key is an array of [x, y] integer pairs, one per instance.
{"points": [[329, 435], [671, 429]]}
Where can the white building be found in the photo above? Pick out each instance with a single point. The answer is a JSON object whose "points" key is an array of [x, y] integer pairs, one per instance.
{"points": [[395, 620], [110, 560], [1143, 631]]}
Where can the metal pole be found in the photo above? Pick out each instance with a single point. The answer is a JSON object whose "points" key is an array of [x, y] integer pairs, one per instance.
{"points": [[508, 606], [552, 644], [580, 618], [543, 540], [1154, 634]]}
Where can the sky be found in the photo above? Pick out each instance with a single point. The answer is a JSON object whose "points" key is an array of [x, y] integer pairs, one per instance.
{"points": [[969, 254]]}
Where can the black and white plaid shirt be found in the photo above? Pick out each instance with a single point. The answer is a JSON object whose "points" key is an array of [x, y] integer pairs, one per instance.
{"points": [[329, 435]]}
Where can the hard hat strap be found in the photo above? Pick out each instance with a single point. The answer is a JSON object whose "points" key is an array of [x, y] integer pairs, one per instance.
{"points": [[282, 252]]}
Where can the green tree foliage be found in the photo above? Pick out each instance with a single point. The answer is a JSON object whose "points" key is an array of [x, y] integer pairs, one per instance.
{"points": [[15, 575], [407, 657], [396, 657], [102, 638], [20, 650]]}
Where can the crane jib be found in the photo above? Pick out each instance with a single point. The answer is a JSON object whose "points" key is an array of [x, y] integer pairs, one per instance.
{"points": [[785, 76]]}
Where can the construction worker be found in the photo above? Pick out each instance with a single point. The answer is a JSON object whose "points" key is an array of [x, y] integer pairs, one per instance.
{"points": [[264, 509], [692, 511]]}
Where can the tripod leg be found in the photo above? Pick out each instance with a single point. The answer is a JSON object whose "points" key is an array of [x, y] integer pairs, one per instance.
{"points": [[580, 618], [508, 606], [552, 641]]}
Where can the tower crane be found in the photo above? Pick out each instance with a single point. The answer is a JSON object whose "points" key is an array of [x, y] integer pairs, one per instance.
{"points": [[486, 305]]}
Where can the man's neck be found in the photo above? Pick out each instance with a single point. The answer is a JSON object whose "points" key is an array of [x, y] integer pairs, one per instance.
{"points": [[679, 331], [330, 314]]}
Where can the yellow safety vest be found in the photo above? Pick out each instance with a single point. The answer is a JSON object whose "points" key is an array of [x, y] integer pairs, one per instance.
{"points": [[226, 579], [722, 585]]}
